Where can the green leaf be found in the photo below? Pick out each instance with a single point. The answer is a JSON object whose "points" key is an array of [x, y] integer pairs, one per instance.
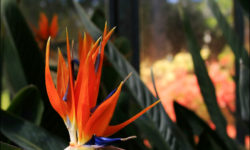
{"points": [[206, 142], [244, 89], [167, 130], [245, 4], [31, 58], [193, 125], [1, 67], [206, 86], [5, 99], [197, 125], [122, 114], [27, 135], [5, 146], [151, 133], [12, 66], [205, 83], [232, 39], [183, 122], [28, 104]]}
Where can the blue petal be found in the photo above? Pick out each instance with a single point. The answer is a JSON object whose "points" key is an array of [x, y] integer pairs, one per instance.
{"points": [[110, 94], [102, 141], [97, 62], [75, 61], [66, 94]]}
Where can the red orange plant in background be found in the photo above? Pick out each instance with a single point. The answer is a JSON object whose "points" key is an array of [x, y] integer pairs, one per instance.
{"points": [[175, 80], [46, 30]]}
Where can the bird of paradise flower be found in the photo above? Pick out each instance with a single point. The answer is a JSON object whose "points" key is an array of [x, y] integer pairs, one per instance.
{"points": [[75, 100]]}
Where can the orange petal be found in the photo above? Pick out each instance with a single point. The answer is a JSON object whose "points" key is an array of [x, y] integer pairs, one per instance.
{"points": [[54, 26], [94, 93], [84, 45], [57, 103], [103, 44], [82, 69], [87, 43], [71, 96], [62, 75], [94, 56], [113, 129], [95, 47], [105, 29], [106, 38], [97, 75], [83, 109], [100, 119], [85, 49], [85, 72], [85, 87], [43, 27], [93, 84]]}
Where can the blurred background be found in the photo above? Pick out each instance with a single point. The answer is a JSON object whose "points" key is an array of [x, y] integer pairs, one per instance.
{"points": [[153, 36]]}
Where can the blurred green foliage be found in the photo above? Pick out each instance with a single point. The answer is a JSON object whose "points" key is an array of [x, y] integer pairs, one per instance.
{"points": [[6, 146], [33, 108]]}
